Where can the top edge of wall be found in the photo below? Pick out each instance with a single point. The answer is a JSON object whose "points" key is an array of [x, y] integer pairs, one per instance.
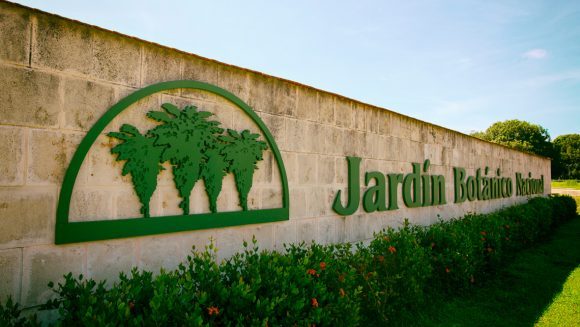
{"points": [[38, 11]]}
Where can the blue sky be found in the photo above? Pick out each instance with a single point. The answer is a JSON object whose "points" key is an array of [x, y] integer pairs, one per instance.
{"points": [[459, 64]]}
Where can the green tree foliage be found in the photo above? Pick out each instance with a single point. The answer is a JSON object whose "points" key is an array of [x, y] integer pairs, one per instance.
{"points": [[519, 135], [242, 152], [185, 135], [141, 162], [568, 146]]}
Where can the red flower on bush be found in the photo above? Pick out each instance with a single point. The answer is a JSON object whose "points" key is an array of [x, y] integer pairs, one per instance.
{"points": [[483, 233], [314, 302], [322, 265], [213, 311], [311, 272], [392, 249], [447, 270], [381, 258]]}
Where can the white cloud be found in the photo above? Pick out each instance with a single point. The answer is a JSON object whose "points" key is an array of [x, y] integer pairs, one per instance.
{"points": [[536, 54]]}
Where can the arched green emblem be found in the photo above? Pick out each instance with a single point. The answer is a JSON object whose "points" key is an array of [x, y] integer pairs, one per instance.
{"points": [[196, 147]]}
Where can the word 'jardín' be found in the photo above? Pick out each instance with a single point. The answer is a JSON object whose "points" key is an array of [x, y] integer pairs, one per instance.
{"points": [[419, 189]]}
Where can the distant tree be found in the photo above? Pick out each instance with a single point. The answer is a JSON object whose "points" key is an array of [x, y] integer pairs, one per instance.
{"points": [[568, 146], [242, 152], [184, 136], [519, 135], [141, 162]]}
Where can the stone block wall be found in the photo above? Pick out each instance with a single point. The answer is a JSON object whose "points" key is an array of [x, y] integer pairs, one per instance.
{"points": [[59, 76]]}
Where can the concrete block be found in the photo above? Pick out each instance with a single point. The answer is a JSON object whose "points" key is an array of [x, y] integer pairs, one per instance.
{"points": [[271, 95], [242, 121], [11, 272], [331, 230], [43, 264], [199, 201], [264, 173], [326, 108], [318, 201], [160, 65], [105, 260], [341, 169], [160, 251], [135, 114], [126, 203], [351, 143], [72, 47], [372, 120], [334, 140], [360, 115], [307, 105], [357, 228], [89, 204], [15, 24], [49, 155], [85, 102], [229, 197], [307, 170], [295, 131], [223, 111], [306, 230], [326, 170], [284, 234], [314, 138], [13, 150], [29, 98], [236, 81], [201, 70], [277, 127], [297, 203], [344, 113], [230, 240], [291, 166], [102, 166], [271, 198], [284, 98], [27, 215]]}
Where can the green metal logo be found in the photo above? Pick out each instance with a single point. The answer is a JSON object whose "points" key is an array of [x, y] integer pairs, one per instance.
{"points": [[196, 147]]}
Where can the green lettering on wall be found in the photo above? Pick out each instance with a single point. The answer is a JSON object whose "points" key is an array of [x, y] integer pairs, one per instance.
{"points": [[460, 190], [412, 187], [353, 189], [375, 196], [394, 181]]}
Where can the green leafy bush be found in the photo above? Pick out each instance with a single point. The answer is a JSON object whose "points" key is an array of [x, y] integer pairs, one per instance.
{"points": [[331, 285]]}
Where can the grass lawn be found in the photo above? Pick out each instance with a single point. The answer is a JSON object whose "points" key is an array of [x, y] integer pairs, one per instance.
{"points": [[541, 285], [571, 183]]}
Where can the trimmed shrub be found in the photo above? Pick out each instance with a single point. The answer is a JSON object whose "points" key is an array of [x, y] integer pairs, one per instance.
{"points": [[314, 285]]}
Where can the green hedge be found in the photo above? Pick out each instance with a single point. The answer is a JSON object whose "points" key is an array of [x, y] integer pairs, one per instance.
{"points": [[331, 285]]}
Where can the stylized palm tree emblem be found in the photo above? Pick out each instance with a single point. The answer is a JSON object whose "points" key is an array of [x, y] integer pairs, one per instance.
{"points": [[242, 152], [141, 158], [196, 149]]}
